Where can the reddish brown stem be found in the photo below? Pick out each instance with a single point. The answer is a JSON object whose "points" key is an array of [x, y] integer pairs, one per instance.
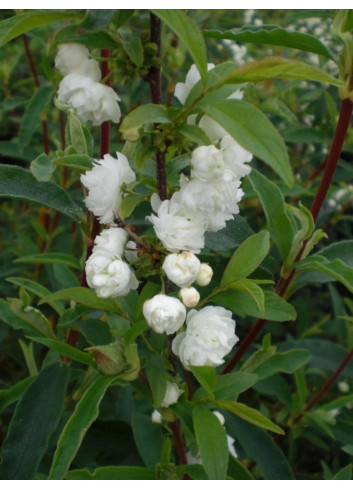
{"points": [[37, 84], [62, 130], [330, 167], [155, 83], [174, 426]]}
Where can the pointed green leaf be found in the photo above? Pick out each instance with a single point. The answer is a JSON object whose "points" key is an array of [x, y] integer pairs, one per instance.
{"points": [[145, 114], [112, 473], [50, 257], [156, 371], [84, 296], [249, 414], [281, 224], [275, 36], [247, 257], [229, 386], [211, 440], [189, 35], [86, 411], [66, 350], [148, 438], [253, 130], [14, 393], [206, 377], [42, 168], [81, 163], [36, 417], [287, 362], [18, 183]]}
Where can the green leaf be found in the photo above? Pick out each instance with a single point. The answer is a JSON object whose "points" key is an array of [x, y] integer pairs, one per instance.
{"points": [[77, 136], [50, 257], [276, 67], [273, 35], [261, 448], [14, 393], [344, 474], [42, 168], [243, 304], [86, 411], [253, 130], [145, 114], [122, 16], [156, 371], [206, 377], [97, 19], [195, 134], [36, 417], [280, 223], [247, 257], [237, 471], [335, 269], [211, 440], [24, 22], [31, 117], [189, 35], [32, 317], [129, 203], [66, 350], [133, 48], [236, 231], [96, 39], [112, 473], [81, 163], [251, 288], [249, 414], [229, 386], [148, 438], [18, 183], [36, 289], [84, 296], [287, 362]]}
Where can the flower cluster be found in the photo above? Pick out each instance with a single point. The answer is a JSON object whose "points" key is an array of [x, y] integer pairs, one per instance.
{"points": [[80, 87], [106, 270]]}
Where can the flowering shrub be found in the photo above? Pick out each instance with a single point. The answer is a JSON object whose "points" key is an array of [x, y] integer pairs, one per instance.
{"points": [[169, 262]]}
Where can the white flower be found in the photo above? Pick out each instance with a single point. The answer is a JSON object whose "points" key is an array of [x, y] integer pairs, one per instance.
{"points": [[182, 269], [182, 90], [208, 338], [217, 200], [104, 183], [109, 276], [205, 275], [156, 417], [91, 100], [343, 387], [74, 58], [177, 227], [235, 157], [164, 314], [172, 394], [189, 296], [213, 130], [111, 242], [207, 163]]}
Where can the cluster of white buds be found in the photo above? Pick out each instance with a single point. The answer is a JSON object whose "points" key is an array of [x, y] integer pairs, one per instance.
{"points": [[80, 87]]}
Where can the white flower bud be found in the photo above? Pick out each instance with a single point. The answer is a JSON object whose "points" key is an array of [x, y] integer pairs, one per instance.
{"points": [[164, 314], [182, 269], [189, 296], [92, 101], [156, 417], [208, 338], [104, 183], [343, 387], [172, 394], [109, 275], [207, 163], [74, 58], [205, 275]]}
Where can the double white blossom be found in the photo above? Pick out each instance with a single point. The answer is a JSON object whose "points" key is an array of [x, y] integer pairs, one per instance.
{"points": [[111, 242], [209, 336], [80, 87], [92, 101], [182, 269], [104, 183], [164, 314]]}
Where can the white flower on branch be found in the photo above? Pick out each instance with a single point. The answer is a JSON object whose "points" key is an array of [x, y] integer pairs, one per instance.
{"points": [[111, 242], [182, 90], [164, 314], [209, 336], [104, 183], [182, 269], [109, 276], [74, 58], [207, 163], [172, 394], [92, 101], [235, 157], [177, 227]]}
